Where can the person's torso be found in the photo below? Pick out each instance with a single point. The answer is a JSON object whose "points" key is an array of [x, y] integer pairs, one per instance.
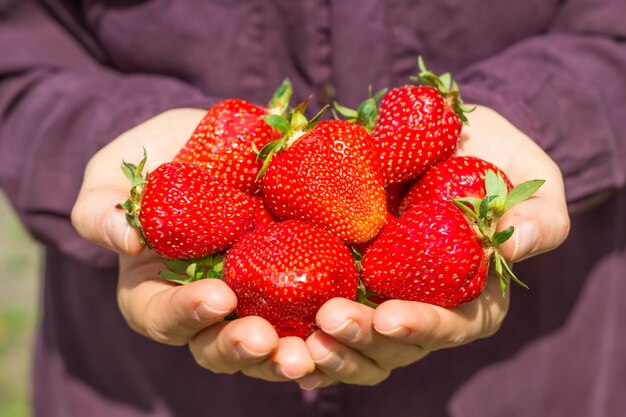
{"points": [[234, 48]]}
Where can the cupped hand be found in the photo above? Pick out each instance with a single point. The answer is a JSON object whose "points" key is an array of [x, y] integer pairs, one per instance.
{"points": [[360, 345], [193, 315], [542, 222], [168, 313]]}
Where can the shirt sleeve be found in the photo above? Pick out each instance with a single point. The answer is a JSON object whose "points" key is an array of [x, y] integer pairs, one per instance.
{"points": [[58, 106], [566, 89]]}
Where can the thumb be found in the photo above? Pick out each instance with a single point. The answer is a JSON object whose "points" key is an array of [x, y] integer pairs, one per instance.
{"points": [[166, 312], [540, 224], [98, 218]]}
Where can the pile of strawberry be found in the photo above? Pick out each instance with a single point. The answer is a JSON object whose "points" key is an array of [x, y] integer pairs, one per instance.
{"points": [[291, 212]]}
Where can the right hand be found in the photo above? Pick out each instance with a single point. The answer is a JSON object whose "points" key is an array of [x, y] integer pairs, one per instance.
{"points": [[161, 310]]}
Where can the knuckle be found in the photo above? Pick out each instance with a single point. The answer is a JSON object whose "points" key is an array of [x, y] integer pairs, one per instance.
{"points": [[564, 225], [457, 339]]}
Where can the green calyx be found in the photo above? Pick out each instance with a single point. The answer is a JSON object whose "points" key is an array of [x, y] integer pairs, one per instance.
{"points": [[133, 204], [182, 271], [365, 114], [447, 87], [292, 125], [363, 295], [279, 103], [486, 212], [185, 271]]}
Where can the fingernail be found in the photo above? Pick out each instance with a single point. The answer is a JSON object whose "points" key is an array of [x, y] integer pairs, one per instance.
{"points": [[243, 353], [399, 331], [332, 361], [348, 331], [309, 382], [118, 232], [280, 371], [526, 237], [207, 312]]}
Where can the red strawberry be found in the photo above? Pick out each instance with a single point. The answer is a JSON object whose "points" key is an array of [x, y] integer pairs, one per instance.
{"points": [[460, 176], [432, 255], [263, 216], [328, 176], [285, 271], [225, 140], [395, 196], [182, 211], [418, 126], [439, 252], [362, 248]]}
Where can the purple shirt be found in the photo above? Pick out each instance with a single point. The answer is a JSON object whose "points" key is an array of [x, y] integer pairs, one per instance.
{"points": [[75, 74]]}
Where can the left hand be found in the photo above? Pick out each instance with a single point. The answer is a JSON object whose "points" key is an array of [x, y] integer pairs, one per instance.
{"points": [[360, 345]]}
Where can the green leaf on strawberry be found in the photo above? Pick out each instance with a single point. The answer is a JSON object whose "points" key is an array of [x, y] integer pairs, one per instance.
{"points": [[364, 115], [446, 86], [486, 213], [133, 204], [522, 192], [185, 271], [292, 126], [279, 103]]}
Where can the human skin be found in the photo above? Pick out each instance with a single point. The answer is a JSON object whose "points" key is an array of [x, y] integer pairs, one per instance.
{"points": [[355, 344]]}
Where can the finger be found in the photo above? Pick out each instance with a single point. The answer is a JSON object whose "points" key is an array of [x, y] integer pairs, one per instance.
{"points": [[98, 218], [540, 225], [167, 312], [431, 327], [232, 346], [314, 380], [290, 361], [95, 215], [351, 324], [341, 363]]}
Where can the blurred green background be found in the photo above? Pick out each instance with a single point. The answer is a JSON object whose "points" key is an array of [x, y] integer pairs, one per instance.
{"points": [[20, 263]]}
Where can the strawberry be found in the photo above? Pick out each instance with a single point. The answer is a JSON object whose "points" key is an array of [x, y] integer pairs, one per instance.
{"points": [[431, 255], [458, 176], [439, 251], [285, 271], [418, 125], [327, 175], [360, 249], [395, 196], [225, 139], [182, 211], [263, 216]]}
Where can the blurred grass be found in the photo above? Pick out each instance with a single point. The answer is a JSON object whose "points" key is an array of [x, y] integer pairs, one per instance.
{"points": [[20, 260]]}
